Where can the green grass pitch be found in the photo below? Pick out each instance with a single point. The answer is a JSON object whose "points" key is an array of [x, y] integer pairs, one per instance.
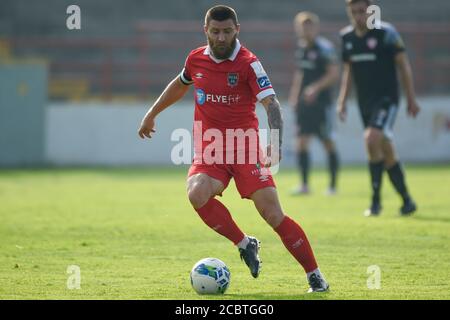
{"points": [[134, 235]]}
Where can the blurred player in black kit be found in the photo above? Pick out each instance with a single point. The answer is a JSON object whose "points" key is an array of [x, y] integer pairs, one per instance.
{"points": [[311, 96], [372, 57]]}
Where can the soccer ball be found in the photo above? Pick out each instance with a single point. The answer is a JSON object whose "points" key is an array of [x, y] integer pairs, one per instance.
{"points": [[210, 276]]}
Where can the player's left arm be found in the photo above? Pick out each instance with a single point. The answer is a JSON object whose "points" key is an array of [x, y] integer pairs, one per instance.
{"points": [[394, 45], [275, 119], [329, 79], [406, 78], [262, 89]]}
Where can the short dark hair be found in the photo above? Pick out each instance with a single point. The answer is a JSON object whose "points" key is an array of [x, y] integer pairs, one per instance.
{"points": [[221, 13], [350, 2]]}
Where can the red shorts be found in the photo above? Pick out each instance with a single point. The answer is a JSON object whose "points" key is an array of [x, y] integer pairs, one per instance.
{"points": [[247, 177]]}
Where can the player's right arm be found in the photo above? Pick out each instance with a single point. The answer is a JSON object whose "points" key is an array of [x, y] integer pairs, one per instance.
{"points": [[346, 85], [171, 94]]}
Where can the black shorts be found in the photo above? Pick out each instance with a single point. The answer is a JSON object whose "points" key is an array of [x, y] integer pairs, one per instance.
{"points": [[380, 115], [315, 120]]}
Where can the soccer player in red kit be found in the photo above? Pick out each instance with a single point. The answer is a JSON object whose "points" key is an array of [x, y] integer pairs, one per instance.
{"points": [[228, 80]]}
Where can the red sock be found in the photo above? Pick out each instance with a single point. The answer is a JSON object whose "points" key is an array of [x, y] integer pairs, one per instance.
{"points": [[297, 243], [218, 218]]}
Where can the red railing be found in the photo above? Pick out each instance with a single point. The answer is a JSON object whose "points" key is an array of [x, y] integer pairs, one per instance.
{"points": [[141, 65]]}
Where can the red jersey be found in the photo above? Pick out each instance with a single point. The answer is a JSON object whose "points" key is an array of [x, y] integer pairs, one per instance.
{"points": [[226, 91], [225, 94]]}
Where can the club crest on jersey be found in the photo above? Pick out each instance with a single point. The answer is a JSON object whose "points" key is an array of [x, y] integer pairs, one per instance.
{"points": [[232, 79], [264, 82], [372, 43]]}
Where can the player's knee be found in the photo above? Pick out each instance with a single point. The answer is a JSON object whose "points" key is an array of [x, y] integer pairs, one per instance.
{"points": [[373, 139], [198, 196], [329, 146], [389, 161], [273, 215], [275, 218], [303, 144]]}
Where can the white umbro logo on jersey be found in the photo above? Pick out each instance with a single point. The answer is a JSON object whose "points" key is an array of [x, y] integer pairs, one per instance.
{"points": [[199, 75]]}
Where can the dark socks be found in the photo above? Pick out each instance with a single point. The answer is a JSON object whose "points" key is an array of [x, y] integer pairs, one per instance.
{"points": [[304, 164], [333, 165], [397, 178], [376, 175]]}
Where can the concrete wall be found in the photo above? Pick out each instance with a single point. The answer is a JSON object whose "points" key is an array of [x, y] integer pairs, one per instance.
{"points": [[100, 134], [23, 99]]}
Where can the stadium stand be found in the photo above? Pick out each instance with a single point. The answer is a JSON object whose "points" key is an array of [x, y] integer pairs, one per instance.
{"points": [[134, 54]]}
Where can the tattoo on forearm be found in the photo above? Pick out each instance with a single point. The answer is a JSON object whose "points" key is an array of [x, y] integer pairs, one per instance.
{"points": [[274, 116]]}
